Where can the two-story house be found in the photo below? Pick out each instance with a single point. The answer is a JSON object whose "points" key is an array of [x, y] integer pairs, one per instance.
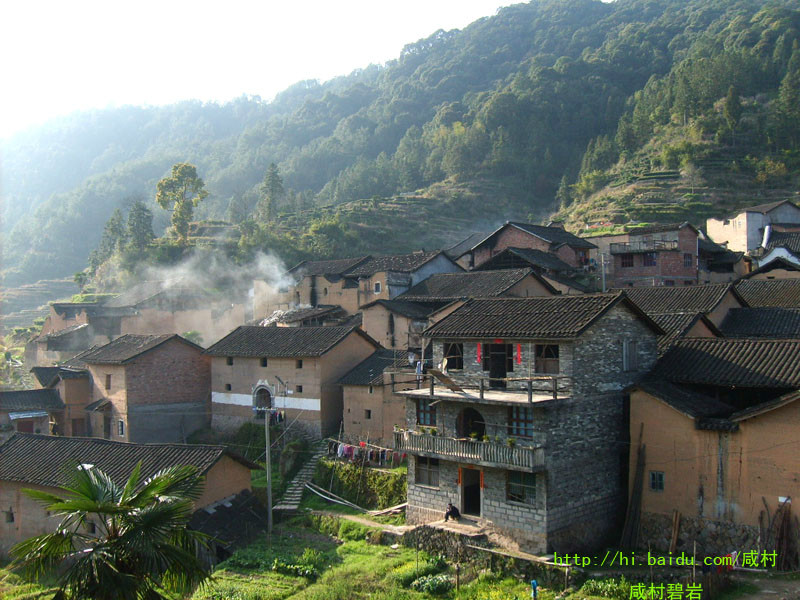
{"points": [[531, 439], [291, 370], [744, 231], [147, 388]]}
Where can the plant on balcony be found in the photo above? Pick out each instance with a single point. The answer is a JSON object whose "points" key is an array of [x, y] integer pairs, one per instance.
{"points": [[473, 436], [511, 442], [486, 438], [497, 439]]}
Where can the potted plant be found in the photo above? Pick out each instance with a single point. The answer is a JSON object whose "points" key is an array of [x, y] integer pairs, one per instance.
{"points": [[473, 436], [511, 442], [485, 438]]}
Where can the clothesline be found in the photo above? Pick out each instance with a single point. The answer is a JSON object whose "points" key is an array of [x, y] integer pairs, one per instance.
{"points": [[362, 444]]}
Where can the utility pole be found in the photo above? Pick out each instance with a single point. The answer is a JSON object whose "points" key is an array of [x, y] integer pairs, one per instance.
{"points": [[603, 270], [269, 474]]}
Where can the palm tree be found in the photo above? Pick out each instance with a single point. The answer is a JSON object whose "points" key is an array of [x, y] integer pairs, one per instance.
{"points": [[127, 543]]}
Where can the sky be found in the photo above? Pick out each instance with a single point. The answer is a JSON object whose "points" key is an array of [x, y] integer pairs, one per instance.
{"points": [[59, 57]]}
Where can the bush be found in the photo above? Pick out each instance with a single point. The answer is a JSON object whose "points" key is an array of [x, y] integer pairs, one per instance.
{"points": [[433, 584], [608, 588], [367, 488]]}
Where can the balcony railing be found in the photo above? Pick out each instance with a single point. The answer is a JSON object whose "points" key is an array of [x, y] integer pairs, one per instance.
{"points": [[647, 246], [471, 451]]}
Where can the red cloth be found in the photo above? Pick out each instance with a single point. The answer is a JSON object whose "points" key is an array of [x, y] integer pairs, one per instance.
{"points": [[362, 444], [479, 357], [519, 354]]}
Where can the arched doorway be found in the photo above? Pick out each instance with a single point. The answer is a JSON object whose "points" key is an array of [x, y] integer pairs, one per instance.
{"points": [[470, 423], [262, 402]]}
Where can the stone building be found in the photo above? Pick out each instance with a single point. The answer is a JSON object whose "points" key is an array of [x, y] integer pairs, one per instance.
{"points": [[42, 463], [533, 441], [568, 247], [744, 231], [147, 388], [295, 370], [372, 411], [719, 421]]}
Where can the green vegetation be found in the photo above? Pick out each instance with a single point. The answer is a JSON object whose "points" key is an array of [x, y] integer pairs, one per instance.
{"points": [[595, 108], [367, 488]]}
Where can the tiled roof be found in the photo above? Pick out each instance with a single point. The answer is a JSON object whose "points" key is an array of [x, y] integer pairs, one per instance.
{"points": [[327, 267], [777, 263], [770, 292], [554, 235], [125, 348], [688, 402], [402, 263], [442, 287], [785, 239], [46, 460], [370, 370], [300, 314], [46, 375], [765, 208], [732, 362], [675, 326], [688, 298], [757, 409], [234, 522], [466, 244], [281, 342], [67, 331], [536, 258], [553, 317], [42, 399], [411, 309], [770, 322]]}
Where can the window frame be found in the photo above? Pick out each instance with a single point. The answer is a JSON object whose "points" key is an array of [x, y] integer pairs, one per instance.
{"points": [[298, 389], [376, 287], [120, 428], [688, 260], [454, 353], [426, 414], [650, 259], [520, 422], [264, 361], [426, 471], [630, 355], [545, 362], [229, 361], [368, 413], [624, 259], [522, 491], [656, 481], [298, 363]]}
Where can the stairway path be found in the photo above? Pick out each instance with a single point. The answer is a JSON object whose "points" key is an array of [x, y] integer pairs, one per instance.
{"points": [[290, 501]]}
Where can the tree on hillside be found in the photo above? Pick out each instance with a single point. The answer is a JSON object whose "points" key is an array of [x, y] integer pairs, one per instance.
{"points": [[182, 190], [732, 110], [139, 227], [271, 193], [141, 546], [563, 197], [112, 241], [789, 100]]}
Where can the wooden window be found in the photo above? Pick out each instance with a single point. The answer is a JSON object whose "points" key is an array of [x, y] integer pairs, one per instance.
{"points": [[626, 260], [229, 360], [426, 414], [520, 421], [108, 381], [367, 413], [454, 354], [649, 259], [264, 361], [427, 471], [377, 287], [9, 515], [521, 487], [630, 355], [298, 389], [121, 428], [547, 358], [657, 481], [228, 387], [299, 363], [370, 389], [688, 261]]}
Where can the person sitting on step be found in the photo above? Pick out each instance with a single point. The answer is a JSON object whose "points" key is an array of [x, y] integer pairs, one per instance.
{"points": [[451, 513]]}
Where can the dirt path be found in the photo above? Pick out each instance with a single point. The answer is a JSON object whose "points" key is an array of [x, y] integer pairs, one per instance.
{"points": [[396, 529], [773, 589]]}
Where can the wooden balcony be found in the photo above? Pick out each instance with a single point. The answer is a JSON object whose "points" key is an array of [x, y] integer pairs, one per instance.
{"points": [[490, 454], [646, 246]]}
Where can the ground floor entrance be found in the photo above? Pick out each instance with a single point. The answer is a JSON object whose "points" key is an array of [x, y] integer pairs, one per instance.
{"points": [[471, 491]]}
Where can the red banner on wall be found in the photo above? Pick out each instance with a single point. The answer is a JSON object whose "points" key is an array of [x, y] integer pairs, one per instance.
{"points": [[519, 354], [479, 357]]}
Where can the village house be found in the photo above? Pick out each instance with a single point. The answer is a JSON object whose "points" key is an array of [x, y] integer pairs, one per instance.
{"points": [[147, 388], [43, 463], [717, 264], [565, 278], [553, 239], [718, 419], [745, 230], [528, 432], [656, 255], [398, 324], [779, 268], [779, 245], [372, 411], [74, 388], [29, 411], [257, 372]]}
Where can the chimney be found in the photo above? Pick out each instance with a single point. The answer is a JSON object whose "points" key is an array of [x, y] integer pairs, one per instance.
{"points": [[767, 234]]}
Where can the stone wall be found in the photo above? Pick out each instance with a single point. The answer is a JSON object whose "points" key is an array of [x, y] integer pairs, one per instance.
{"points": [[714, 538]]}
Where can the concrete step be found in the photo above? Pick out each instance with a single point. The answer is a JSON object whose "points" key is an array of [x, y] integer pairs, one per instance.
{"points": [[291, 499]]}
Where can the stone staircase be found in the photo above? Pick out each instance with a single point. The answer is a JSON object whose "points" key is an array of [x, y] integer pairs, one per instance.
{"points": [[290, 501]]}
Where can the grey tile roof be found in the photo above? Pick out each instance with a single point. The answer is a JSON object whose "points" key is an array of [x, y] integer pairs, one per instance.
{"points": [[42, 399], [302, 314], [282, 342], [47, 375], [327, 267], [688, 402], [126, 348], [675, 326], [549, 317], [757, 363], [689, 298], [407, 308], [778, 263], [770, 292], [765, 208], [402, 263], [529, 257], [554, 235], [658, 228], [785, 239], [770, 322], [46, 460], [466, 244], [67, 331], [370, 370], [443, 287]]}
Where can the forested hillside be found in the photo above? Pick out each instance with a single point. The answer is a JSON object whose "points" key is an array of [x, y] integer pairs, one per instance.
{"points": [[569, 103]]}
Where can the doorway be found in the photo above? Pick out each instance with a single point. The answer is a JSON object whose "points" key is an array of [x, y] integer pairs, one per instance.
{"points": [[468, 422], [471, 492], [501, 361]]}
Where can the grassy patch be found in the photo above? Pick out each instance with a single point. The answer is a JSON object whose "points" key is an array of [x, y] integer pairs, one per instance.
{"points": [[13, 587]]}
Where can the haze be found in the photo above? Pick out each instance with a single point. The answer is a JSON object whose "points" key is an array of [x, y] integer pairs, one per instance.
{"points": [[65, 56]]}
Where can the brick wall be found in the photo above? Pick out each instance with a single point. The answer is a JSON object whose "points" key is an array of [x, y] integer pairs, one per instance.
{"points": [[510, 237]]}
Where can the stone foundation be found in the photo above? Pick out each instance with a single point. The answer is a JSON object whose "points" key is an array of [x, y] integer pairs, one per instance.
{"points": [[714, 538]]}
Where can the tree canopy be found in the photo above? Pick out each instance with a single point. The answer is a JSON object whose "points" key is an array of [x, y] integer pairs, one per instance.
{"points": [[182, 190]]}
